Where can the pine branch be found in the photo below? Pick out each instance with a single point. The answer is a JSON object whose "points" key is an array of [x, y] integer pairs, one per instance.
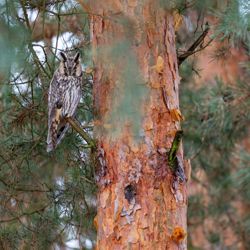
{"points": [[86, 179], [90, 142], [26, 214], [23, 189], [198, 41], [25, 156]]}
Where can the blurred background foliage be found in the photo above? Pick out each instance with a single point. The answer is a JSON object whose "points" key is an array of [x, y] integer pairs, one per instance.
{"points": [[215, 100], [47, 200]]}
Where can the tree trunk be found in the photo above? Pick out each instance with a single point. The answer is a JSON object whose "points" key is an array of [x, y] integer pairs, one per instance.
{"points": [[141, 201]]}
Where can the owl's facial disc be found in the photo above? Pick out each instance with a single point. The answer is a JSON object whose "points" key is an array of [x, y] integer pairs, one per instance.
{"points": [[70, 65]]}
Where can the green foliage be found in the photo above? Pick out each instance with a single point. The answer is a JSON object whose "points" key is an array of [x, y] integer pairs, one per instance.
{"points": [[215, 137], [233, 21], [217, 117], [46, 199]]}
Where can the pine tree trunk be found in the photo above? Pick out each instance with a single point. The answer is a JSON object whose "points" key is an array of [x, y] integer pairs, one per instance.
{"points": [[141, 200]]}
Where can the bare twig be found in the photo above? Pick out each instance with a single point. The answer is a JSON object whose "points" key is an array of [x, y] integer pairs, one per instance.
{"points": [[191, 51], [86, 179]]}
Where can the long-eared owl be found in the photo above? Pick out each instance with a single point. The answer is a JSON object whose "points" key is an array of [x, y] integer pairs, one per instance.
{"points": [[64, 96]]}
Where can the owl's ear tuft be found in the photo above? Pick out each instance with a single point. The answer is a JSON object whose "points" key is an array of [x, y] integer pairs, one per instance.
{"points": [[63, 56], [77, 57]]}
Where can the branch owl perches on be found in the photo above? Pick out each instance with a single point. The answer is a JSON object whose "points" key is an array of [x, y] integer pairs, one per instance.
{"points": [[65, 92]]}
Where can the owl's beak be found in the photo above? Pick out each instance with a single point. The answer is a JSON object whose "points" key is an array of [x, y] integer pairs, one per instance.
{"points": [[70, 71]]}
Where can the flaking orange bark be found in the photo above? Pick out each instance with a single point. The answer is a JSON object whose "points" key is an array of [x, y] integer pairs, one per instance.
{"points": [[138, 207]]}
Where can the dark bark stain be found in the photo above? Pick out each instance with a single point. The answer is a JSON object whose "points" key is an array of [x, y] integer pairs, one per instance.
{"points": [[129, 192]]}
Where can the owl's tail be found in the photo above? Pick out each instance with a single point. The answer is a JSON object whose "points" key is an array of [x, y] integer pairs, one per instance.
{"points": [[54, 141]]}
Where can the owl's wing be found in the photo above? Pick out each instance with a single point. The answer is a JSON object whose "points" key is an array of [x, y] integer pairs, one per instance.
{"points": [[54, 96], [54, 110], [76, 94]]}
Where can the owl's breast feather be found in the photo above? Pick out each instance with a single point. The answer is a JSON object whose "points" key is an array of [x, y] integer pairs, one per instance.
{"points": [[71, 97]]}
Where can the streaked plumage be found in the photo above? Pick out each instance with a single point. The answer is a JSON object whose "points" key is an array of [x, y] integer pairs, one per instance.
{"points": [[64, 96]]}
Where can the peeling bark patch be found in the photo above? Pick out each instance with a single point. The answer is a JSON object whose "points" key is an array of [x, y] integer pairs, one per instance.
{"points": [[96, 222], [165, 98], [187, 169], [176, 115], [126, 149], [100, 157], [129, 192], [151, 146], [179, 234], [159, 67], [134, 176], [178, 169], [161, 170], [163, 151], [130, 212]]}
